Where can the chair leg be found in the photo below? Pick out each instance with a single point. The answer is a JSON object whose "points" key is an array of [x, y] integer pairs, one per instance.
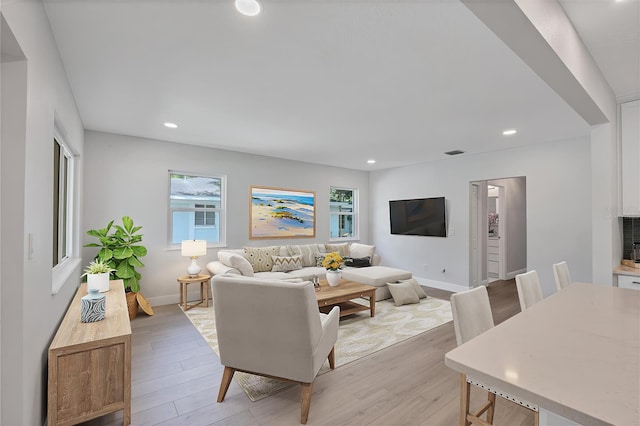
{"points": [[465, 394], [226, 381], [492, 408], [305, 401], [332, 358]]}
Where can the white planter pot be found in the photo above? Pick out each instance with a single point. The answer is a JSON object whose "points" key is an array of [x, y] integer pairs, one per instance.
{"points": [[98, 281], [333, 277]]}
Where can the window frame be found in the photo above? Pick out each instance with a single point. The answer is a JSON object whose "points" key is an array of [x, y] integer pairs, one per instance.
{"points": [[221, 209], [354, 214], [63, 266]]}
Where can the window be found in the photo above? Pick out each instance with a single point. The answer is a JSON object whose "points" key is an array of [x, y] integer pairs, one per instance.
{"points": [[343, 212], [196, 208], [204, 217], [62, 202]]}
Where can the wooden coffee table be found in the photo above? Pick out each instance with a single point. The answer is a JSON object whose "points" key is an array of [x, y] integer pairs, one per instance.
{"points": [[341, 296]]}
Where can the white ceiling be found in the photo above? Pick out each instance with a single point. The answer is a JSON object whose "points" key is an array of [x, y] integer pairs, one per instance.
{"points": [[611, 31], [328, 82]]}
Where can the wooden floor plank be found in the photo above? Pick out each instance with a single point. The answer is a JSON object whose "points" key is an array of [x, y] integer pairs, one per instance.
{"points": [[176, 377]]}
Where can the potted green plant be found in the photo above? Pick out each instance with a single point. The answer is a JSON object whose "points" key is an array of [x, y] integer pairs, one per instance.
{"points": [[121, 250], [97, 274]]}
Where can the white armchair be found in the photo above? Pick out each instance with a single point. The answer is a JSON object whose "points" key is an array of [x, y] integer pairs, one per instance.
{"points": [[272, 328]]}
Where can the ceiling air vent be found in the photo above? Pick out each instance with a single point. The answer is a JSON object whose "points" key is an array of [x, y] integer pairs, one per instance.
{"points": [[454, 152]]}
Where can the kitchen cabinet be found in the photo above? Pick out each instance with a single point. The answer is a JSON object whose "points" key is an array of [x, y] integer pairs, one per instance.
{"points": [[629, 281], [493, 256], [630, 158]]}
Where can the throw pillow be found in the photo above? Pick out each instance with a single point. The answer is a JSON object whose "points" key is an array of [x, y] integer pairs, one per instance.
{"points": [[286, 263], [417, 287], [361, 250], [233, 260], [403, 293], [357, 262], [307, 251], [319, 259], [342, 249], [260, 257]]}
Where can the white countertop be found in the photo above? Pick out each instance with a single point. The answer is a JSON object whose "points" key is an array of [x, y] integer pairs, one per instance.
{"points": [[576, 353]]}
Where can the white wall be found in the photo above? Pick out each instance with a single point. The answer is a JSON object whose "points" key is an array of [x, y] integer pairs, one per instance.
{"points": [[129, 176], [558, 176], [26, 335]]}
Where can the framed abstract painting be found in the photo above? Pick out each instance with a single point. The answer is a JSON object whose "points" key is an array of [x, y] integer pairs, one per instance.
{"points": [[281, 213]]}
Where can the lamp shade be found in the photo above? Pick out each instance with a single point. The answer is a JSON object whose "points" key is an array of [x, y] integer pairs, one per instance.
{"points": [[194, 248]]}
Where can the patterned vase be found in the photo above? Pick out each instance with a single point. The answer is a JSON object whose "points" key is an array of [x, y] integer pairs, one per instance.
{"points": [[93, 306], [333, 277]]}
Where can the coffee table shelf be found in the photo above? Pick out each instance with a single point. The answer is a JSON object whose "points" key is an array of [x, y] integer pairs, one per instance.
{"points": [[346, 308], [342, 296]]}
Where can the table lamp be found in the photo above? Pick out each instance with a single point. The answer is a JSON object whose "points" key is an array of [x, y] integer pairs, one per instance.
{"points": [[193, 249]]}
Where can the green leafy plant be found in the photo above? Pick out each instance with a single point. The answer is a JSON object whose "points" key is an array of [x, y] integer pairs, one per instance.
{"points": [[97, 267], [120, 250]]}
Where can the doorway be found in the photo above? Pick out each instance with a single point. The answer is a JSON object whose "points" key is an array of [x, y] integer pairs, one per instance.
{"points": [[498, 230]]}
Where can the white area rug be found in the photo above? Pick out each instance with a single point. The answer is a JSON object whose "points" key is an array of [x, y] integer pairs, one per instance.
{"points": [[359, 335]]}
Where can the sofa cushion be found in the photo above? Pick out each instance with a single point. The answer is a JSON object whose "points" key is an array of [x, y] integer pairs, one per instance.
{"points": [[218, 268], [286, 263], [342, 249], [361, 250], [260, 257], [377, 276], [403, 293], [308, 272], [272, 275], [236, 261], [416, 287], [307, 251]]}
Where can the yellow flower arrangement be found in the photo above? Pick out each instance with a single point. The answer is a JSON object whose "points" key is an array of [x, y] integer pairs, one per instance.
{"points": [[332, 261]]}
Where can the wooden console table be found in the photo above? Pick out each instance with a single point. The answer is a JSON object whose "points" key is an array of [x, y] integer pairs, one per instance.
{"points": [[90, 363]]}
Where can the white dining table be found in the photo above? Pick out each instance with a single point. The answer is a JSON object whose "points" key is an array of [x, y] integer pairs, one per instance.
{"points": [[576, 354]]}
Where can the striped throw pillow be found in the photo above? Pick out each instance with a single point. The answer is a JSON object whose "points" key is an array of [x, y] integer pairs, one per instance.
{"points": [[286, 263]]}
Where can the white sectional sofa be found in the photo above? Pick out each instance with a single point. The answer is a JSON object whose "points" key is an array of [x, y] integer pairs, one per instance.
{"points": [[302, 261]]}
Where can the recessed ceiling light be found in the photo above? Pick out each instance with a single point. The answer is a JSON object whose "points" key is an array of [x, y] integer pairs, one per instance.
{"points": [[510, 132], [248, 7], [372, 161], [171, 125]]}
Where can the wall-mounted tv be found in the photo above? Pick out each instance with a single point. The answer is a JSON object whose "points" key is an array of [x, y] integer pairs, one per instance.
{"points": [[421, 216]]}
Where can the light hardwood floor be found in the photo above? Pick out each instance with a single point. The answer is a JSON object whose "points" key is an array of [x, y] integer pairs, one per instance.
{"points": [[175, 379]]}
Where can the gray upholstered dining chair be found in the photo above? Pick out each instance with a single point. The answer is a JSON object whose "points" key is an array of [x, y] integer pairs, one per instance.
{"points": [[471, 317], [529, 290], [272, 328], [562, 275]]}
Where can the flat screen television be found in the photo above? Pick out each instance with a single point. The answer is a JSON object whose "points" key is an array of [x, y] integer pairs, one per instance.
{"points": [[421, 216]]}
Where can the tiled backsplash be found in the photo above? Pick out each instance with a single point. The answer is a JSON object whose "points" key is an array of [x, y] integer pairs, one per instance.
{"points": [[630, 234]]}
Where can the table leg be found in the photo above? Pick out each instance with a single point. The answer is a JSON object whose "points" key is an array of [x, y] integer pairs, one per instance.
{"points": [[184, 296], [206, 293], [201, 291], [372, 303], [181, 296]]}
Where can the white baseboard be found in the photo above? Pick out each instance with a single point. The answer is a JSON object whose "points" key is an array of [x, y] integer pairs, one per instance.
{"points": [[172, 299], [512, 274], [455, 288]]}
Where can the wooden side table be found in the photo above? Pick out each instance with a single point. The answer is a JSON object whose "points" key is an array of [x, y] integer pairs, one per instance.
{"points": [[185, 280]]}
